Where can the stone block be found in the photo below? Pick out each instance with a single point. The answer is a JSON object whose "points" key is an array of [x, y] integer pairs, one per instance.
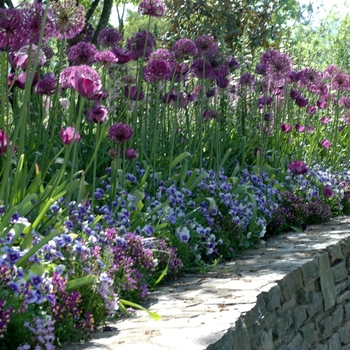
{"points": [[315, 303], [241, 337], [343, 297], [299, 315], [345, 245], [290, 284], [279, 328], [266, 340], [310, 271], [337, 315], [327, 281], [334, 342], [296, 343], [347, 311], [272, 298], [344, 333], [326, 327], [307, 333], [335, 252], [341, 286], [339, 271]]}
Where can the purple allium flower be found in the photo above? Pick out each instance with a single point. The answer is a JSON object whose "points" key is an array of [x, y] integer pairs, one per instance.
{"points": [[48, 51], [120, 133], [106, 57], [133, 93], [340, 82], [286, 127], [279, 66], [141, 43], [13, 32], [260, 69], [97, 114], [301, 101], [210, 114], [82, 53], [202, 68], [85, 80], [344, 101], [309, 76], [206, 45], [47, 84], [69, 135], [184, 48], [108, 37], [69, 18], [153, 8], [297, 167], [35, 15], [325, 143], [247, 79], [157, 70], [85, 35], [330, 71], [164, 54], [131, 153], [122, 55]]}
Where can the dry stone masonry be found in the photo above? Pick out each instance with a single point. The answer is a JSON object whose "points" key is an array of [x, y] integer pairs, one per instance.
{"points": [[292, 293]]}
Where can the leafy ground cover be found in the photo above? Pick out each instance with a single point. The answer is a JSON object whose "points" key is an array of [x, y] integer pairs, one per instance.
{"points": [[124, 163]]}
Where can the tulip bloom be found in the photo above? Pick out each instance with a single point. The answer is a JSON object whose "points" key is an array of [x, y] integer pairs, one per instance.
{"points": [[3, 142], [85, 87], [69, 135], [97, 114], [297, 167]]}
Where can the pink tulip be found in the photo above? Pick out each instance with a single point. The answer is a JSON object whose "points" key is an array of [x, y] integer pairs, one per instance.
{"points": [[69, 135], [85, 87]]}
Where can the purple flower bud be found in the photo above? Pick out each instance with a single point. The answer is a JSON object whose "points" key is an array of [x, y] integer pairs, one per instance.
{"points": [[97, 114], [133, 93]]}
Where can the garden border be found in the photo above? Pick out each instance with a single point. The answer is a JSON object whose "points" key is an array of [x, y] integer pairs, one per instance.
{"points": [[291, 293]]}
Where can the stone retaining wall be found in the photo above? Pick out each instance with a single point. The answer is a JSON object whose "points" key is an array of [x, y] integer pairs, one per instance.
{"points": [[292, 293], [308, 309]]}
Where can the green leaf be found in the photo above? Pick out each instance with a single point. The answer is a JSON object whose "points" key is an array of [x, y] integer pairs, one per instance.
{"points": [[154, 315], [80, 282], [179, 159]]}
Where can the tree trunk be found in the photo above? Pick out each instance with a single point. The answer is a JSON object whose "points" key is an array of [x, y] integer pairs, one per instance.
{"points": [[106, 13]]}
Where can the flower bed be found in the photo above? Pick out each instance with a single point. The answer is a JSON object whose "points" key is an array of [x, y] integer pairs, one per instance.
{"points": [[122, 164]]}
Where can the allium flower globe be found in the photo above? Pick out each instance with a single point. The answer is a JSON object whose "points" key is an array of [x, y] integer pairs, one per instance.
{"points": [[108, 37], [69, 18], [82, 53], [141, 43], [206, 45], [153, 8], [184, 48], [157, 70], [120, 133]]}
